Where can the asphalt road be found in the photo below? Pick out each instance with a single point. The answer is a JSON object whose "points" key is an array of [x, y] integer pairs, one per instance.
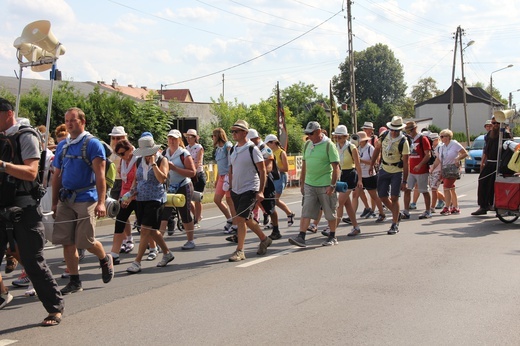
{"points": [[449, 280]]}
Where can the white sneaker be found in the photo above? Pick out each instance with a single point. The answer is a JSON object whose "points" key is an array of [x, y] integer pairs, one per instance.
{"points": [[134, 268], [166, 258], [5, 298], [190, 245]]}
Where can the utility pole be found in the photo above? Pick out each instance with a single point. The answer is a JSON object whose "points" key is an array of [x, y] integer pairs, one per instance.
{"points": [[353, 106], [464, 85], [450, 111]]}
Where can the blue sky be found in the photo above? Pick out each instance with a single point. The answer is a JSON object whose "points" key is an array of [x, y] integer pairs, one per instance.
{"points": [[256, 43]]}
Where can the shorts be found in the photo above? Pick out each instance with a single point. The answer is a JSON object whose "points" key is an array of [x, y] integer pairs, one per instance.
{"points": [[280, 184], [149, 213], [244, 203], [370, 183], [314, 196], [75, 224], [389, 182], [269, 202], [350, 177], [448, 183], [435, 180], [219, 190], [122, 217], [422, 181], [199, 181]]}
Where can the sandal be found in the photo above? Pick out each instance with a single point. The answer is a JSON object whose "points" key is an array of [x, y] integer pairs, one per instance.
{"points": [[10, 264], [290, 219], [51, 321]]}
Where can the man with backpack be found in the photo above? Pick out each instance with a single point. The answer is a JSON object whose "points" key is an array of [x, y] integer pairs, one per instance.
{"points": [[78, 197], [247, 177], [420, 154], [20, 211], [392, 177]]}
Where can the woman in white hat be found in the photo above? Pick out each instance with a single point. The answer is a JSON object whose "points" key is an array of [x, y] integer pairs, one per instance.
{"points": [[369, 177], [199, 181], [350, 174], [118, 134], [149, 187], [283, 167]]}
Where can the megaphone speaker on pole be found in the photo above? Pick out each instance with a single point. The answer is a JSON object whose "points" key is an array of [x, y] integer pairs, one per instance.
{"points": [[502, 115], [39, 33]]}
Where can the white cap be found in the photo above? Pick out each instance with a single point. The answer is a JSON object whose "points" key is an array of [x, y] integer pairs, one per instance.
{"points": [[252, 133]]}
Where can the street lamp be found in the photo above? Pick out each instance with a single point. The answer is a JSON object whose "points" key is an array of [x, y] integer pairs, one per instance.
{"points": [[491, 86]]}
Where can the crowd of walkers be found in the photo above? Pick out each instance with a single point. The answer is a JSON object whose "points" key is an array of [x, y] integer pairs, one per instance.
{"points": [[252, 176]]}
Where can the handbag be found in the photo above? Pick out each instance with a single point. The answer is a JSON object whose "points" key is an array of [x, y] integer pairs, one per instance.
{"points": [[450, 171]]}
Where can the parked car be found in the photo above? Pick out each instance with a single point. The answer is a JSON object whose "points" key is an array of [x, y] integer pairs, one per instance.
{"points": [[474, 157]]}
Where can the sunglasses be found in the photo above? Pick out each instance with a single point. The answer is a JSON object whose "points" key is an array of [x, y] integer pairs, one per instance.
{"points": [[494, 123], [122, 153]]}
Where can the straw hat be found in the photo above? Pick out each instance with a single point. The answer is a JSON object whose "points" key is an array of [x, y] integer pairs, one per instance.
{"points": [[396, 123]]}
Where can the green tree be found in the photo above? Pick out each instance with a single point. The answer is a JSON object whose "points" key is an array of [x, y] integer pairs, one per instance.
{"points": [[379, 76], [425, 89]]}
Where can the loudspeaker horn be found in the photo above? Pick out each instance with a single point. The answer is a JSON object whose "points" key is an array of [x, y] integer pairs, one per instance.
{"points": [[503, 115], [33, 53], [39, 33]]}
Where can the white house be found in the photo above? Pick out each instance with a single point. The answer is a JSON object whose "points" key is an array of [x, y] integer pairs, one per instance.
{"points": [[478, 106]]}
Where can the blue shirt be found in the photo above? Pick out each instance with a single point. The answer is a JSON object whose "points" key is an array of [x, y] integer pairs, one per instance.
{"points": [[222, 158], [75, 173]]}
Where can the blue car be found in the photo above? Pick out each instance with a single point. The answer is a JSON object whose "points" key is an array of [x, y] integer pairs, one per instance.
{"points": [[474, 155]]}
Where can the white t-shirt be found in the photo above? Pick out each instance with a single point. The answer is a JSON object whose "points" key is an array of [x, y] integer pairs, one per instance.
{"points": [[245, 177], [448, 153]]}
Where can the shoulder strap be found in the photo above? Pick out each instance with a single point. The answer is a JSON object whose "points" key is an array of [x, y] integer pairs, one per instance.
{"points": [[84, 150], [251, 148]]}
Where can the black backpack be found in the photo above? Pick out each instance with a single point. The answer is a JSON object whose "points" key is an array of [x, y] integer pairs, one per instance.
{"points": [[10, 151]]}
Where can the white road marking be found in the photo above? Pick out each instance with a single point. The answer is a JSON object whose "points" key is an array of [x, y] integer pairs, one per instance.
{"points": [[263, 259], [6, 342]]}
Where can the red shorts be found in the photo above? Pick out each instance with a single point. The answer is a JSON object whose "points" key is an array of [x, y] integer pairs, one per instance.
{"points": [[218, 188], [448, 183]]}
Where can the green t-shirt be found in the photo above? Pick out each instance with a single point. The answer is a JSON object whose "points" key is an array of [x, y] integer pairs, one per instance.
{"points": [[318, 159]]}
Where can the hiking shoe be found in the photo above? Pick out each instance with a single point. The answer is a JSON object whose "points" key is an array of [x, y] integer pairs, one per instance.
{"points": [[393, 229], [404, 215], [31, 292], [455, 211], [371, 215], [425, 215], [290, 219], [232, 230], [10, 263], [413, 206], [107, 269], [5, 298], [152, 255], [264, 244], [275, 235], [346, 220], [232, 239], [116, 260], [366, 211], [238, 255], [440, 204], [22, 281], [166, 258], [355, 231], [129, 246], [330, 241], [446, 211], [269, 226], [189, 245], [134, 268], [381, 218], [312, 228], [298, 241], [326, 232], [227, 226], [71, 287], [266, 219]]}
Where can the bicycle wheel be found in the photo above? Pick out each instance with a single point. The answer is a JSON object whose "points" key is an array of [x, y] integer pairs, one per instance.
{"points": [[507, 216]]}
